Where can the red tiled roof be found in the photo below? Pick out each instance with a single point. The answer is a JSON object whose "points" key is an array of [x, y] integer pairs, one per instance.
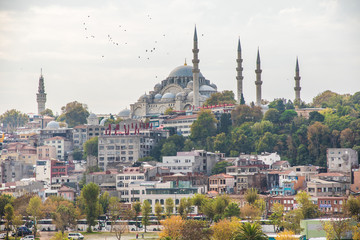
{"points": [[55, 138], [221, 175]]}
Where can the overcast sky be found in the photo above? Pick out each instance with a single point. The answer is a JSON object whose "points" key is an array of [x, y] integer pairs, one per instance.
{"points": [[86, 65]]}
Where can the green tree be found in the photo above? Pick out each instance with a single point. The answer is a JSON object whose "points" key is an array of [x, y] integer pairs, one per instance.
{"points": [[272, 115], [287, 116], [13, 119], [251, 195], [77, 154], [250, 231], [158, 212], [315, 116], [47, 112], [217, 98], [75, 113], [65, 216], [185, 207], [9, 214], [60, 236], [169, 206], [91, 147], [147, 159], [17, 222], [168, 149], [277, 216], [145, 212], [35, 210], [308, 208], [319, 138], [292, 221], [352, 207], [220, 167], [90, 195], [188, 145], [197, 200], [204, 126], [104, 201], [169, 111], [137, 210], [225, 123], [278, 104], [4, 200], [232, 210]]}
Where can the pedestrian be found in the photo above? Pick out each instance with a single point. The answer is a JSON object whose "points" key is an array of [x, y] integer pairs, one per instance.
{"points": [[137, 236], [142, 235]]}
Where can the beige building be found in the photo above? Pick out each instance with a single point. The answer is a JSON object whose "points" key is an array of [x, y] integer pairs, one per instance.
{"points": [[342, 160], [62, 146], [321, 188], [222, 183], [46, 152]]}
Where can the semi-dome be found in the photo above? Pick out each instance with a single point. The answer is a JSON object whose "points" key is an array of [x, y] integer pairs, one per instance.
{"points": [[206, 88], [92, 116], [124, 113], [183, 71], [168, 96], [158, 96], [190, 85], [180, 95], [143, 97], [53, 125], [213, 86], [190, 95], [157, 87]]}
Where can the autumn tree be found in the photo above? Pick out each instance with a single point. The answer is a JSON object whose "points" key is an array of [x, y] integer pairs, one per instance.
{"points": [[194, 230], [277, 216], [217, 98], [65, 216], [352, 207], [75, 113], [90, 195], [114, 210], [169, 111], [336, 228], [35, 211], [137, 210], [172, 227], [13, 119], [225, 229], [158, 212], [286, 235], [251, 195], [244, 113], [17, 222], [308, 208]]}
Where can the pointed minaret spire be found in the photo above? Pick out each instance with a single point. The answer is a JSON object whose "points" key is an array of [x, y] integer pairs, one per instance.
{"points": [[185, 64], [41, 95], [297, 87], [258, 81], [195, 71], [239, 76]]}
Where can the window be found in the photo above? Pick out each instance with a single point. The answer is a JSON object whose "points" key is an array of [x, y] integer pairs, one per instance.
{"points": [[127, 177], [133, 177]]}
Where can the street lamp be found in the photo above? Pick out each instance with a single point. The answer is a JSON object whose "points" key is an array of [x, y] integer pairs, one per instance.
{"points": [[175, 203]]}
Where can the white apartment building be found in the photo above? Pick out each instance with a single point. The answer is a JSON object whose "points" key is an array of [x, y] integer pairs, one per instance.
{"points": [[43, 171], [197, 161], [269, 158], [181, 123], [62, 146]]}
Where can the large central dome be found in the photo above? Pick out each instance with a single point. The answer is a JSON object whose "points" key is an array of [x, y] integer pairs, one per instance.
{"points": [[183, 71]]}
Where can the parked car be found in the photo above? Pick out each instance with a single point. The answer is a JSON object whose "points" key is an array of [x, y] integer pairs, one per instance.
{"points": [[75, 236], [22, 231], [28, 237], [2, 235]]}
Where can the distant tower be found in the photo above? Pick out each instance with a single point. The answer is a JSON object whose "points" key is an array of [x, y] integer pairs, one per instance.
{"points": [[41, 95], [258, 81], [239, 76], [195, 71], [297, 87]]}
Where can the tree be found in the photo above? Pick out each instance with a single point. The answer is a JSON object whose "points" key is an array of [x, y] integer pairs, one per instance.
{"points": [[250, 231], [250, 212], [251, 195], [47, 112], [336, 228], [9, 214], [217, 98], [292, 220], [120, 229], [145, 212], [318, 136], [261, 205], [286, 235], [225, 229], [232, 210], [4, 200], [77, 154], [277, 216], [146, 159], [278, 104], [352, 207], [171, 227], [75, 113], [225, 123], [198, 200], [194, 230], [13, 119], [90, 195], [315, 116], [168, 149], [204, 126], [244, 113], [114, 210], [169, 111], [287, 116], [158, 212], [169, 206], [185, 207], [35, 210], [91, 147], [17, 222], [60, 236], [272, 115], [66, 215], [326, 99], [137, 209], [308, 208], [220, 167], [356, 232], [104, 201]]}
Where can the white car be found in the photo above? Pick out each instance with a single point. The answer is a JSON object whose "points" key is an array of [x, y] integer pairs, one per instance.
{"points": [[28, 237], [75, 236], [3, 235]]}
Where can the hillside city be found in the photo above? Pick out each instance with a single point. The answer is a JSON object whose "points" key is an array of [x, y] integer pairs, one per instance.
{"points": [[184, 162]]}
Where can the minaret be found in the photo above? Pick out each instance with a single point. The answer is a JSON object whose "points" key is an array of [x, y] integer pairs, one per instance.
{"points": [[239, 76], [297, 87], [258, 81], [195, 71], [41, 95]]}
